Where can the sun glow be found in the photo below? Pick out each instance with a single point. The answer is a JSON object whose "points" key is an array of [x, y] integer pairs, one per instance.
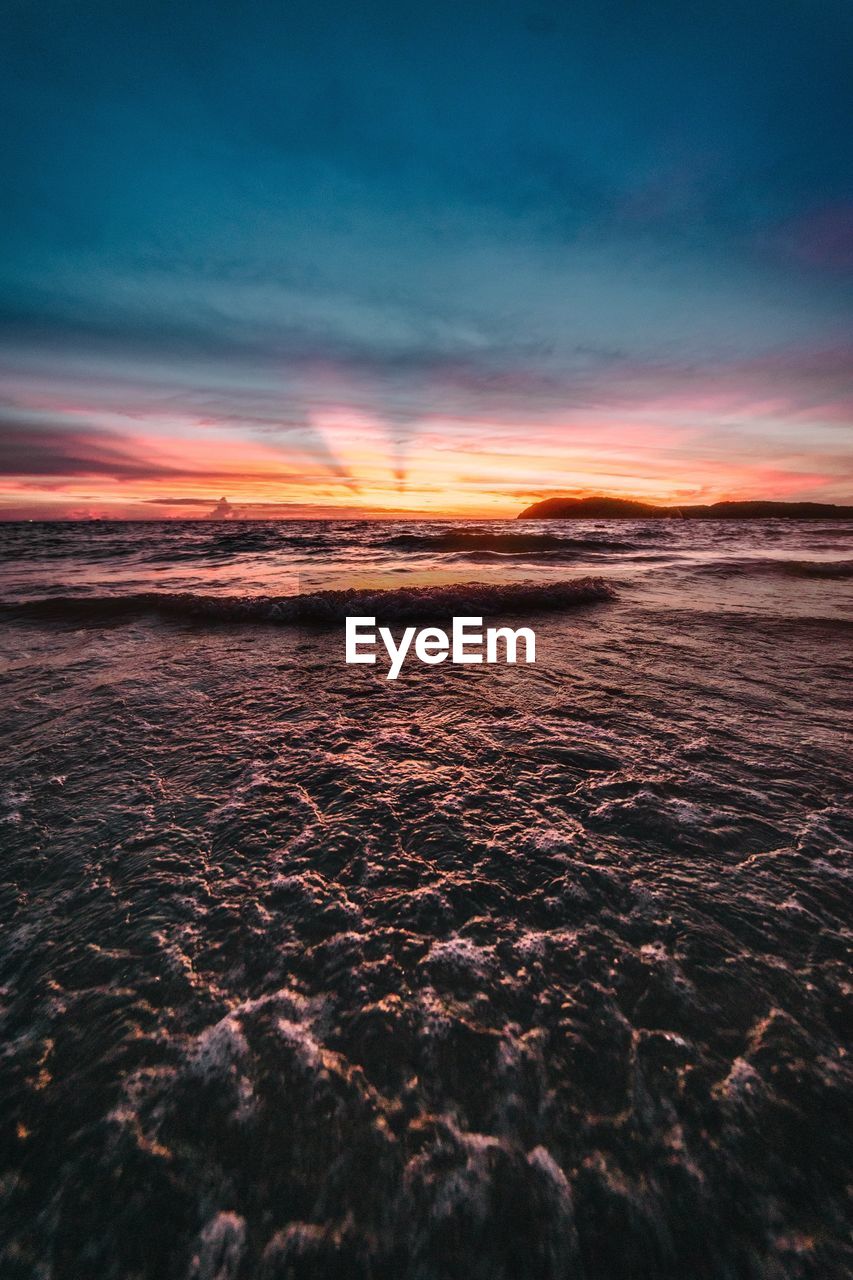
{"points": [[79, 462]]}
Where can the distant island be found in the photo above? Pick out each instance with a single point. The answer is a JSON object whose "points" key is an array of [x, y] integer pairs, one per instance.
{"points": [[602, 508]]}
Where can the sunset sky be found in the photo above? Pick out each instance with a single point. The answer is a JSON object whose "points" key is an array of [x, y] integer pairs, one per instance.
{"points": [[351, 258]]}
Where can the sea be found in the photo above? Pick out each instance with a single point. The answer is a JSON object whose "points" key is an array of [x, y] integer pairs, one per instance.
{"points": [[485, 973]]}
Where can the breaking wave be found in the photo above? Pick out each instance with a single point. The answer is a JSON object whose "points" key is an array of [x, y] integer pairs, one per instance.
{"points": [[827, 569], [193, 541], [232, 543], [395, 605], [501, 543], [537, 975]]}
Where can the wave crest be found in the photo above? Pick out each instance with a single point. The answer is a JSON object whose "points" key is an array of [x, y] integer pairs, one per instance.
{"points": [[503, 543], [399, 604], [825, 569]]}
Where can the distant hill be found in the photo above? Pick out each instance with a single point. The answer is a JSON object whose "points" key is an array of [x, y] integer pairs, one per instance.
{"points": [[602, 508]]}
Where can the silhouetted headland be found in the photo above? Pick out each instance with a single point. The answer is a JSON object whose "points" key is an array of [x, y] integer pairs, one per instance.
{"points": [[603, 508]]}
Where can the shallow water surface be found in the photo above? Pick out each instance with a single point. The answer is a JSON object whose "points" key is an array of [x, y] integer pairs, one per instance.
{"points": [[505, 972]]}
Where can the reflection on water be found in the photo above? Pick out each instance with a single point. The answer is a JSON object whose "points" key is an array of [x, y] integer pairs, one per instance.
{"points": [[486, 972], [692, 563]]}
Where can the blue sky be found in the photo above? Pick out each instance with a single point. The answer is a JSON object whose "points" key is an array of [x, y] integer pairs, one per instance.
{"points": [[423, 257]]}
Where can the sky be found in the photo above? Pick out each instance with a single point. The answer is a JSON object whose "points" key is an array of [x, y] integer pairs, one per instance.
{"points": [[331, 258]]}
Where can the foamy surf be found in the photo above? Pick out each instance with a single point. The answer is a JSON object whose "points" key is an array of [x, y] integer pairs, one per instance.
{"points": [[400, 604], [547, 963]]}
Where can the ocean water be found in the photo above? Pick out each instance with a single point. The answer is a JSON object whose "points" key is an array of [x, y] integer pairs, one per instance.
{"points": [[491, 973]]}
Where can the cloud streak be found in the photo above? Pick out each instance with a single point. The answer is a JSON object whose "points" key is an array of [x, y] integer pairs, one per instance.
{"points": [[359, 258]]}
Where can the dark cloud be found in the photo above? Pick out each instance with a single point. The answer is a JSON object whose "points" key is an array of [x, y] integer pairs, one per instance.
{"points": [[449, 211], [177, 502], [34, 450], [30, 449]]}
